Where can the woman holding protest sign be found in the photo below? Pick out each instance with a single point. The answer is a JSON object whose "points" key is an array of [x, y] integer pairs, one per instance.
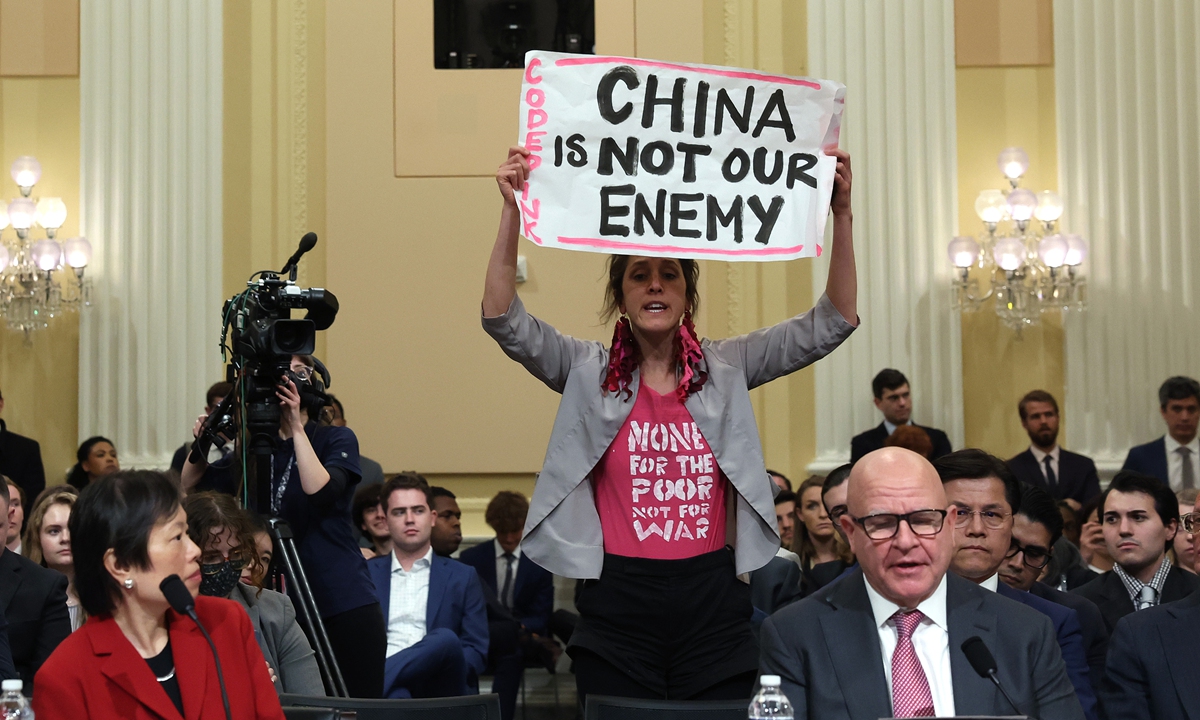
{"points": [[653, 489]]}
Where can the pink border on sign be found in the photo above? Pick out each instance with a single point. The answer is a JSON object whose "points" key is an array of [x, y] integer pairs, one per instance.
{"points": [[618, 245], [674, 66]]}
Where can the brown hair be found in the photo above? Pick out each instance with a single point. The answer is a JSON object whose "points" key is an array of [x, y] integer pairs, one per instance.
{"points": [[31, 543], [1036, 396], [802, 544], [404, 481], [208, 511], [507, 512], [614, 292], [911, 437]]}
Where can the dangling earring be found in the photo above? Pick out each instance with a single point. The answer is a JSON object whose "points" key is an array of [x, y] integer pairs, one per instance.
{"points": [[128, 583], [622, 358]]}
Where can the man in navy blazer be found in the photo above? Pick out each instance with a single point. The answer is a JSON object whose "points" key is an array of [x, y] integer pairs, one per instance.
{"points": [[1174, 458], [437, 632], [524, 594], [986, 495], [894, 399], [1064, 474]]}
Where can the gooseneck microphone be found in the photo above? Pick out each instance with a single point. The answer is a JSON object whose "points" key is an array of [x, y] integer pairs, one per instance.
{"points": [[182, 602], [983, 663]]}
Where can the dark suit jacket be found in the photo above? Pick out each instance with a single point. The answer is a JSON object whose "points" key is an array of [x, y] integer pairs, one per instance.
{"points": [[21, 460], [1110, 595], [872, 440], [96, 673], [1149, 459], [1091, 626], [1152, 666], [34, 601], [826, 649], [1077, 478], [7, 670], [533, 587], [775, 585], [1070, 643], [455, 602]]}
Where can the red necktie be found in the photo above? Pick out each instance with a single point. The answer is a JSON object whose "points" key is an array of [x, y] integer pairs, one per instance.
{"points": [[910, 687]]}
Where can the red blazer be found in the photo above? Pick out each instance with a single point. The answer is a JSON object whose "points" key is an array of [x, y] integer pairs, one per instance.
{"points": [[96, 673]]}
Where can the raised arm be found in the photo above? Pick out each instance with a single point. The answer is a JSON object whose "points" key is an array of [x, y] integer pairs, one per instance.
{"points": [[842, 283], [501, 285]]}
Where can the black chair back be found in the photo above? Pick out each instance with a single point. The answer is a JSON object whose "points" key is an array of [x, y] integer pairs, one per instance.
{"points": [[310, 713], [469, 707], [602, 707]]}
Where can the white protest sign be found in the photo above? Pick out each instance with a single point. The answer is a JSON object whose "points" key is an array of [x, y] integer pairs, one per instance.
{"points": [[676, 160]]}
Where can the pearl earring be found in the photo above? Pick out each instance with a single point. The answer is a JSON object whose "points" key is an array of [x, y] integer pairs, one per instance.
{"points": [[128, 583]]}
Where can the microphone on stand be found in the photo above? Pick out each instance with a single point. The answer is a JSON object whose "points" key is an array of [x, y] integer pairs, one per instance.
{"points": [[983, 663], [181, 600], [308, 242]]}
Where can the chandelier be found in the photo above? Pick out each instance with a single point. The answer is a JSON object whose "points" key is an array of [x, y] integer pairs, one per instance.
{"points": [[35, 285], [1021, 259]]}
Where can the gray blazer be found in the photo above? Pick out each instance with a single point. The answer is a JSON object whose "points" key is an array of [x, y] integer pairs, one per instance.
{"points": [[562, 531], [282, 641], [826, 650]]}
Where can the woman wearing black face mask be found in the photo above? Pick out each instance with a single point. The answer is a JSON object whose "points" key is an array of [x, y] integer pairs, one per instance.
{"points": [[314, 471], [226, 540]]}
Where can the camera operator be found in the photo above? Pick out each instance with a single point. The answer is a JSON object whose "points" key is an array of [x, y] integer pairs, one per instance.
{"points": [[314, 471]]}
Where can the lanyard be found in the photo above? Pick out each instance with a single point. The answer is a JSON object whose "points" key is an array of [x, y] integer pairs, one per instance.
{"points": [[277, 496]]}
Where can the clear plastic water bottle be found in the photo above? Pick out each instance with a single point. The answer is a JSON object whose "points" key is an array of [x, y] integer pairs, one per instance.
{"points": [[13, 705], [770, 703]]}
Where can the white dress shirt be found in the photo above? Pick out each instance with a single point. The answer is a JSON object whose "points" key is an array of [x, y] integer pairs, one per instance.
{"points": [[501, 568], [887, 425], [1175, 461], [409, 599], [991, 583], [931, 640], [1041, 461]]}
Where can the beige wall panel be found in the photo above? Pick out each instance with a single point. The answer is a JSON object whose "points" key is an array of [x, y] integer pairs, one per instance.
{"points": [[40, 380], [998, 108], [39, 38], [992, 33]]}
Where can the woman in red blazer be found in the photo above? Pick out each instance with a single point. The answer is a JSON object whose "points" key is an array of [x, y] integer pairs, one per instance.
{"points": [[135, 657]]}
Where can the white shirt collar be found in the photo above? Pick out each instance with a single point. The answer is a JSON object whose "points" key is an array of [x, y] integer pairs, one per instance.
{"points": [[991, 583], [500, 551], [1041, 456], [423, 563], [933, 607], [892, 428], [1173, 445]]}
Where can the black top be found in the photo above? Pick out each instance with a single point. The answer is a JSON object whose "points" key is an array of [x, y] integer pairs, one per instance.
{"points": [[21, 460], [163, 667], [872, 440]]}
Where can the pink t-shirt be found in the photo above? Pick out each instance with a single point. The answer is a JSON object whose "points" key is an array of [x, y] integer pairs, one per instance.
{"points": [[658, 489]]}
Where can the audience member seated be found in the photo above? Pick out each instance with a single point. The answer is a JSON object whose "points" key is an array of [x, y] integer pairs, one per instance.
{"points": [[1173, 457], [264, 545], [785, 519], [1151, 673], [902, 611], [96, 458], [136, 657], [833, 495], [217, 392], [780, 480], [1062, 473], [823, 554], [372, 472], [33, 599], [1070, 518], [911, 437], [1036, 527], [1092, 547], [1183, 552], [21, 459], [447, 528], [986, 495], [48, 541], [1141, 517], [225, 537], [16, 515], [894, 400], [437, 631], [522, 587], [368, 514], [1066, 569]]}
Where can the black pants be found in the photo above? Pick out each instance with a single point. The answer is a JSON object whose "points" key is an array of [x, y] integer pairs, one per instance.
{"points": [[359, 641], [668, 629]]}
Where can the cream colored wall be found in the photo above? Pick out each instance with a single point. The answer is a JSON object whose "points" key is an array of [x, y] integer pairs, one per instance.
{"points": [[40, 380]]}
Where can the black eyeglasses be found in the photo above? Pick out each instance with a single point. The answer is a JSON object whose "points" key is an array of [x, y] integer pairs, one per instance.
{"points": [[836, 512], [1191, 523], [1035, 557], [883, 526], [237, 562]]}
